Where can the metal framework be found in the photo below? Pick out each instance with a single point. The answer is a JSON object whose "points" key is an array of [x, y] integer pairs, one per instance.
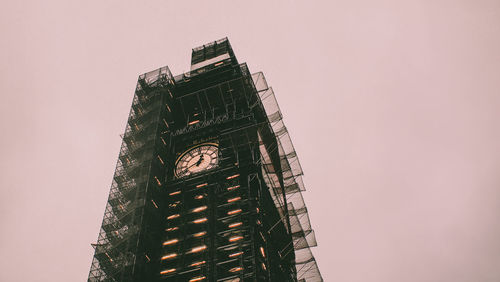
{"points": [[245, 220]]}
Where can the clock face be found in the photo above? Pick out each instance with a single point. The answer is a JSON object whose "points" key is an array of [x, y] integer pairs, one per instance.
{"points": [[197, 159]]}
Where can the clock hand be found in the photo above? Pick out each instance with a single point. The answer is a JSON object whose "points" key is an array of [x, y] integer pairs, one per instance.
{"points": [[191, 166], [199, 161], [195, 164]]}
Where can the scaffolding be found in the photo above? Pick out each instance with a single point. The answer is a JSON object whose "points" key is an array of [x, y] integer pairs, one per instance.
{"points": [[292, 187], [244, 220], [117, 244]]}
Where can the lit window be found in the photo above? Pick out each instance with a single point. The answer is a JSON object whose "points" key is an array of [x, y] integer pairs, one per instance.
{"points": [[236, 269], [199, 209], [169, 256], [235, 238], [156, 206], [197, 279], [110, 259], [173, 216], [200, 220], [167, 271], [235, 254], [161, 161], [234, 212], [199, 234], [175, 193], [262, 252], [170, 242], [232, 176], [158, 181], [236, 224], [233, 187], [197, 263], [201, 185], [172, 229], [198, 249], [233, 199], [194, 122], [198, 197], [262, 236], [263, 266]]}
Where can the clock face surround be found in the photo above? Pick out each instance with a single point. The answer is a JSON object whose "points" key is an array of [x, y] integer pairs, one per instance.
{"points": [[199, 158]]}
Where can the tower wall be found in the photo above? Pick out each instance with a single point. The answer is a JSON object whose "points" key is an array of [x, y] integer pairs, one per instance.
{"points": [[207, 185]]}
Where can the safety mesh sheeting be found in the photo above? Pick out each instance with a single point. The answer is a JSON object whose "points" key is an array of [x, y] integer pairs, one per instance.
{"points": [[115, 247], [301, 231]]}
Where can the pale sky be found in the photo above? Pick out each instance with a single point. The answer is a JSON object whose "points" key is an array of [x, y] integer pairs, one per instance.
{"points": [[393, 107]]}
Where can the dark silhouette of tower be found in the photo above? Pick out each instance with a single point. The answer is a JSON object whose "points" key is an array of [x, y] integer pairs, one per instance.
{"points": [[207, 185]]}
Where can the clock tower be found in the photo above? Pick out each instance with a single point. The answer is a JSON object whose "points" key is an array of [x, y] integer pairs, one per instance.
{"points": [[208, 185]]}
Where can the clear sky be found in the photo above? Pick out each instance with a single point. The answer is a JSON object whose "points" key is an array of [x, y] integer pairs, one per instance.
{"points": [[393, 107]]}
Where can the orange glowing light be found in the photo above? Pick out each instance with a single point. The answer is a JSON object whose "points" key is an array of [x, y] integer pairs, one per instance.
{"points": [[200, 220], [199, 209], [234, 212], [197, 279], [235, 238], [173, 216], [158, 181], [201, 185], [169, 256], [156, 206], [233, 187], [236, 269], [160, 159], [235, 254], [166, 271], [234, 199], [170, 242], [198, 249], [199, 234], [197, 263], [232, 176], [236, 224], [110, 259]]}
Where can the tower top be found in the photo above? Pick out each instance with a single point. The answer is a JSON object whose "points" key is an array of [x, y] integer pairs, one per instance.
{"points": [[212, 53]]}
